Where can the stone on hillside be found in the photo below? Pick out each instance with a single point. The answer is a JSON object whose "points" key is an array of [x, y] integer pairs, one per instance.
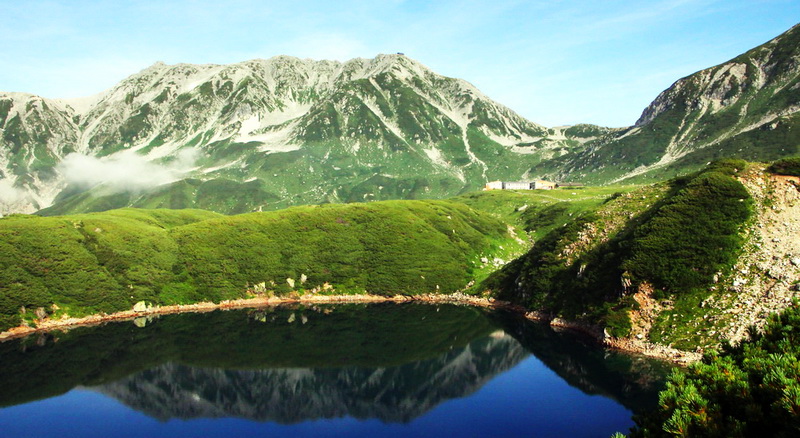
{"points": [[141, 306], [40, 313]]}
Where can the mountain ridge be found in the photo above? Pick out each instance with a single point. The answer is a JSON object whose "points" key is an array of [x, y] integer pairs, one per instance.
{"points": [[747, 107], [380, 116]]}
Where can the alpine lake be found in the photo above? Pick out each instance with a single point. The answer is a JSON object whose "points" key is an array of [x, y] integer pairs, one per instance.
{"points": [[323, 370]]}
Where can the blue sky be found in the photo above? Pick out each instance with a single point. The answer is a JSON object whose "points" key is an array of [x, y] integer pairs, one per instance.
{"points": [[555, 62]]}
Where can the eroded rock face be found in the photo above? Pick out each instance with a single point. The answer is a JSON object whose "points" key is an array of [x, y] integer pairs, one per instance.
{"points": [[764, 278], [35, 134]]}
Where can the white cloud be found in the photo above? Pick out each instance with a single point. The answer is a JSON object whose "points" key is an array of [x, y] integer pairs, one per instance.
{"points": [[125, 170]]}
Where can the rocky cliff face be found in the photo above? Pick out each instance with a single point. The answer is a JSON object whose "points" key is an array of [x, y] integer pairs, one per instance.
{"points": [[35, 133], [306, 131], [766, 276], [744, 108]]}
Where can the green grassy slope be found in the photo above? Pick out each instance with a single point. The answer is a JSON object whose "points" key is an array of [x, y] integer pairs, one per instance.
{"points": [[532, 214], [673, 236], [105, 262], [219, 195], [86, 263], [538, 212]]}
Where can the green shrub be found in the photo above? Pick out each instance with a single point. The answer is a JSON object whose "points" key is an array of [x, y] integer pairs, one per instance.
{"points": [[750, 390], [786, 166], [693, 236], [617, 321], [727, 166]]}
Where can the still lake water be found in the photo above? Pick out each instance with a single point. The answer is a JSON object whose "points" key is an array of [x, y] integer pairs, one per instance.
{"points": [[336, 370]]}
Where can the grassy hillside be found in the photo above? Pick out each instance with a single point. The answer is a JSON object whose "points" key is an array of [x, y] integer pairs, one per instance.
{"points": [[103, 262], [538, 212], [214, 195], [381, 247], [674, 237]]}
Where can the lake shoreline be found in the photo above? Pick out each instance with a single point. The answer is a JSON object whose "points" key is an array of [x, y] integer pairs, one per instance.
{"points": [[630, 345]]}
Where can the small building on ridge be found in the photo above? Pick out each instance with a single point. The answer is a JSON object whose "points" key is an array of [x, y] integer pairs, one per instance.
{"points": [[517, 185], [541, 184], [538, 184], [494, 185]]}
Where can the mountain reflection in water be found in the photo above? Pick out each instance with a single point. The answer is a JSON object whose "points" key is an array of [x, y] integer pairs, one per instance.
{"points": [[292, 364], [290, 395]]}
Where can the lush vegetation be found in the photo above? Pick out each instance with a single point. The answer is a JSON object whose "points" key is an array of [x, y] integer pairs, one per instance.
{"points": [[383, 248], [85, 263], [213, 195], [786, 166], [532, 213], [696, 233], [105, 262], [538, 212], [674, 236], [751, 390]]}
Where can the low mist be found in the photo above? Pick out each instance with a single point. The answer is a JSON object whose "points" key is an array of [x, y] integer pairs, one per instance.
{"points": [[125, 171], [10, 194]]}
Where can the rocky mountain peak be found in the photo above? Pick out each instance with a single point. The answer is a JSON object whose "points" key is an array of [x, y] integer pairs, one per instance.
{"points": [[744, 108], [723, 85]]}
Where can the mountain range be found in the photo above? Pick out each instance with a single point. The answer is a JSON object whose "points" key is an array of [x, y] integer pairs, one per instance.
{"points": [[287, 131]]}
